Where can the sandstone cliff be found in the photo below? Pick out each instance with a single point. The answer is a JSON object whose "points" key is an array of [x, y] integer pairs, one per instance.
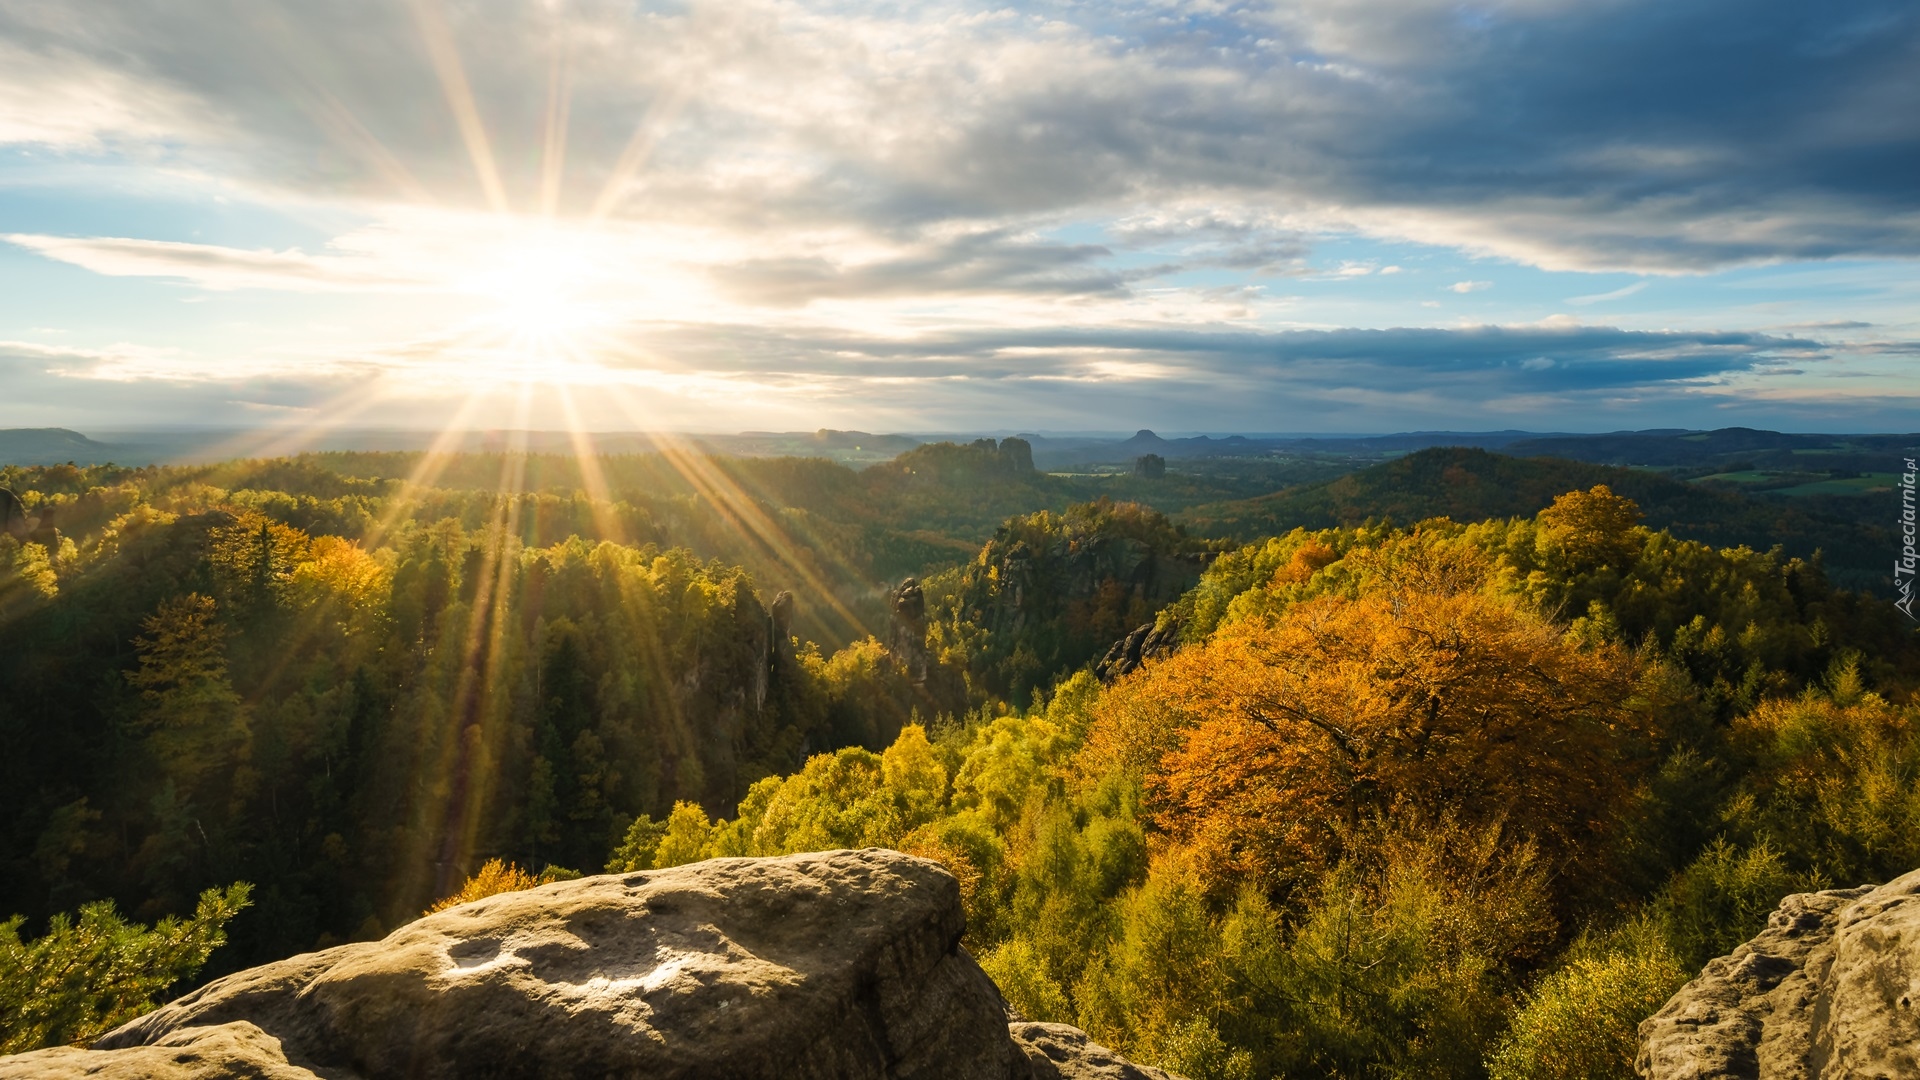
{"points": [[1829, 991], [836, 964]]}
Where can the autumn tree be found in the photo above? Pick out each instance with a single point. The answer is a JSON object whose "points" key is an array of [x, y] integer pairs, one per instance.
{"points": [[253, 559], [1270, 744]]}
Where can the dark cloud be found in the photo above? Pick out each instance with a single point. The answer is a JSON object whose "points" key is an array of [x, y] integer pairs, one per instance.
{"points": [[990, 262], [1474, 364], [1562, 378], [1571, 378]]}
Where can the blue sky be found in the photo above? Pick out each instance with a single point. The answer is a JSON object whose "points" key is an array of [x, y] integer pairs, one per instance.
{"points": [[1329, 215]]}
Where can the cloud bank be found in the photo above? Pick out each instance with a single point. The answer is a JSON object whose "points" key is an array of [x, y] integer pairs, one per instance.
{"points": [[1621, 134], [1101, 207]]}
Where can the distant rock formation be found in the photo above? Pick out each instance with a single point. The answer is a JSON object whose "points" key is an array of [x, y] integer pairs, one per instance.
{"points": [[1146, 642], [907, 631], [835, 964], [1150, 467], [980, 462], [1018, 454], [13, 516], [1829, 991]]}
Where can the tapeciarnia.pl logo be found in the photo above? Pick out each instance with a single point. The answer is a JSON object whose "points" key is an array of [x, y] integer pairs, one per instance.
{"points": [[1903, 566]]}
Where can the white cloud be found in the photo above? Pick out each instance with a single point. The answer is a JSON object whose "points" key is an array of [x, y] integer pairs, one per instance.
{"points": [[62, 100], [1601, 298], [211, 266], [1469, 286]]}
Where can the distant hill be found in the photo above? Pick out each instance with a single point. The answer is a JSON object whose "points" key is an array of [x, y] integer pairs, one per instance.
{"points": [[1673, 448], [1058, 453], [1719, 447], [1470, 484], [51, 446]]}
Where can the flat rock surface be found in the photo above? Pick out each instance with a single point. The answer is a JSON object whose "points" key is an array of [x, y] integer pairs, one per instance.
{"points": [[1829, 991], [239, 1051], [835, 964]]}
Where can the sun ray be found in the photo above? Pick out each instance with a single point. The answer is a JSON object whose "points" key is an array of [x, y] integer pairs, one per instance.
{"points": [[327, 111], [282, 440], [345, 128], [742, 513], [432, 463], [445, 55], [470, 782], [553, 151], [599, 498], [654, 123]]}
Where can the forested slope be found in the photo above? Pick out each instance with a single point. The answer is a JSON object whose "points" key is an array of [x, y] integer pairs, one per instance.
{"points": [[1442, 798], [352, 690], [1467, 484], [1451, 800]]}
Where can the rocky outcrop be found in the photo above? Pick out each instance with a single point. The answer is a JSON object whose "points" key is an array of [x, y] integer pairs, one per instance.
{"points": [[836, 964], [907, 630], [1146, 642], [1829, 991]]}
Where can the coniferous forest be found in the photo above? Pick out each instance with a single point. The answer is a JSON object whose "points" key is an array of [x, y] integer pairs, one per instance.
{"points": [[1462, 796]]}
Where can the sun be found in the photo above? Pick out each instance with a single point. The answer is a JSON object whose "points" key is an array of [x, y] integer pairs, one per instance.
{"points": [[540, 287], [555, 302]]}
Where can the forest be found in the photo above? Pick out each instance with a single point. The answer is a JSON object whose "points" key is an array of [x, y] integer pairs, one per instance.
{"points": [[1397, 795]]}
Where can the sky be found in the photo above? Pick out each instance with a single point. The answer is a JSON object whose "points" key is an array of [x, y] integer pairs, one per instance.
{"points": [[1308, 216]]}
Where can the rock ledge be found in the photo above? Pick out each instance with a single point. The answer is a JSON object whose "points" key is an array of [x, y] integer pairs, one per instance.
{"points": [[843, 964], [1829, 991]]}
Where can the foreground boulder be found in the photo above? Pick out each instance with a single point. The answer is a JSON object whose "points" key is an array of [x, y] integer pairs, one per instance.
{"points": [[836, 964], [1829, 991]]}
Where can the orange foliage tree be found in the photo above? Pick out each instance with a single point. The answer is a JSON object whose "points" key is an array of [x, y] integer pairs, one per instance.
{"points": [[1269, 745]]}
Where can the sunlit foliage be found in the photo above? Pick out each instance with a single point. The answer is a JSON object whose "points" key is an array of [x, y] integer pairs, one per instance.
{"points": [[88, 975], [495, 877], [1051, 591], [1403, 801], [1579, 1023], [1267, 745]]}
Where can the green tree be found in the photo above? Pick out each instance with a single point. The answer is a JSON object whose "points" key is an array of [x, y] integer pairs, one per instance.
{"points": [[1582, 1021], [87, 976], [192, 717]]}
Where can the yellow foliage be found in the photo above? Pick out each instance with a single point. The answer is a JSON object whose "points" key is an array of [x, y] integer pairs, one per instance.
{"points": [[254, 556], [495, 877], [1010, 761], [339, 570], [1587, 529], [1582, 1022], [927, 843], [913, 774], [33, 568], [688, 834]]}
